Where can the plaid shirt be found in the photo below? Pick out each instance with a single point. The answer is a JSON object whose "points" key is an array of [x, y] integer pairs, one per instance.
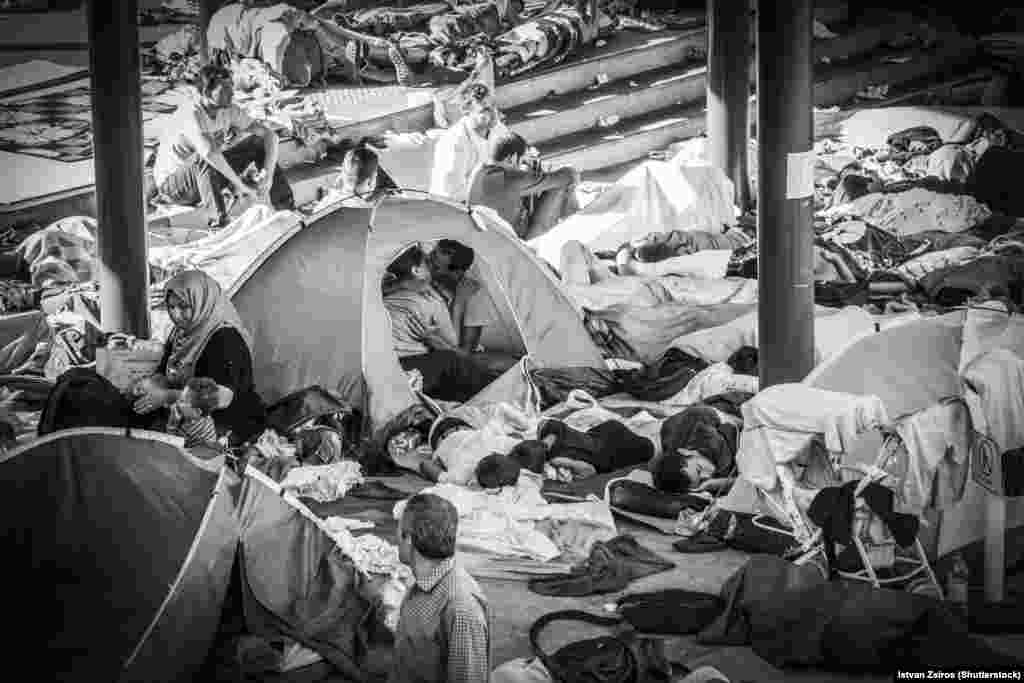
{"points": [[443, 630]]}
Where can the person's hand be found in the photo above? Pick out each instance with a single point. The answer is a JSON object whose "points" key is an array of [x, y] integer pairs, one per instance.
{"points": [[152, 398], [150, 394]]}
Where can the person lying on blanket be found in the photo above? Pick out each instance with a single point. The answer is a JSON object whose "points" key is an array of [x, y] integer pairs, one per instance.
{"points": [[530, 200], [193, 164], [247, 30], [698, 452]]}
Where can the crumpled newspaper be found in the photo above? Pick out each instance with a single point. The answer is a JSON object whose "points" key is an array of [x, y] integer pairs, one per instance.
{"points": [[324, 483]]}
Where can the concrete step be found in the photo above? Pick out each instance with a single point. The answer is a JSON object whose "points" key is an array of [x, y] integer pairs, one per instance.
{"points": [[623, 56], [634, 137], [631, 138], [839, 83], [680, 83], [562, 115]]}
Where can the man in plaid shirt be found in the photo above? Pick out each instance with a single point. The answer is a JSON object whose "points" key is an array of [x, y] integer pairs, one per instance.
{"points": [[443, 633]]}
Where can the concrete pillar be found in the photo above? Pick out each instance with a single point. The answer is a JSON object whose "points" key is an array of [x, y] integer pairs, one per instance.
{"points": [[785, 161], [117, 150], [728, 92]]}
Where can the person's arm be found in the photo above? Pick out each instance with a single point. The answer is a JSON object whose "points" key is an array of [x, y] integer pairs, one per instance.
{"points": [[207, 149], [469, 337], [469, 656], [271, 144], [535, 183], [477, 316], [227, 361]]}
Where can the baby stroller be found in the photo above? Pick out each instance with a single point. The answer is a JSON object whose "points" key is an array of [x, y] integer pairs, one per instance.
{"points": [[798, 440]]}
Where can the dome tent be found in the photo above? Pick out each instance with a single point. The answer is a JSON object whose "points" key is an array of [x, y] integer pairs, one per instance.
{"points": [[125, 543], [313, 303]]}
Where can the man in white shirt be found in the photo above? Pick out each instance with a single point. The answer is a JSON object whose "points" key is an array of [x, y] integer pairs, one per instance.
{"points": [[192, 165], [465, 145]]}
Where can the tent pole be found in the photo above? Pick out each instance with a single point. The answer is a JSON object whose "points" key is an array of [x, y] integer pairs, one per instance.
{"points": [[785, 160], [728, 92], [117, 147]]}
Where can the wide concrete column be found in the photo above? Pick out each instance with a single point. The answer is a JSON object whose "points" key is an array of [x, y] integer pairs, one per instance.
{"points": [[785, 160], [117, 150], [728, 92]]}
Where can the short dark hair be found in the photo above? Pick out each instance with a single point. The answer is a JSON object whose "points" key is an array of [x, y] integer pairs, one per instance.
{"points": [[497, 470], [359, 165], [402, 266], [209, 77], [462, 257], [476, 93], [432, 523], [507, 146], [668, 474], [531, 454], [205, 393]]}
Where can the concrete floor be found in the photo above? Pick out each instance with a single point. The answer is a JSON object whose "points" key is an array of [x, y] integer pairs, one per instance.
{"points": [[515, 608]]}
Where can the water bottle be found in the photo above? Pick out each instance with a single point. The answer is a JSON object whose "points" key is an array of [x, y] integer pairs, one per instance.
{"points": [[957, 582]]}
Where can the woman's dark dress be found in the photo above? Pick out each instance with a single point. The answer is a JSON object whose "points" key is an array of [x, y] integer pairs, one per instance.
{"points": [[227, 361]]}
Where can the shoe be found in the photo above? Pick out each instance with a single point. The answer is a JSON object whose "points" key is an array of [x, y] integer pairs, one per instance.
{"points": [[634, 496]]}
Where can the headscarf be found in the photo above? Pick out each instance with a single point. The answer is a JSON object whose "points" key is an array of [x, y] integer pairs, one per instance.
{"points": [[210, 311]]}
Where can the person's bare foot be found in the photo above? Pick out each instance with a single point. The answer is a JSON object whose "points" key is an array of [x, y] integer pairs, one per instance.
{"points": [[625, 263]]}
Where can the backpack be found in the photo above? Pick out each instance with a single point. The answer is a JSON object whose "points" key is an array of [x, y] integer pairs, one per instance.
{"points": [[83, 398], [605, 659]]}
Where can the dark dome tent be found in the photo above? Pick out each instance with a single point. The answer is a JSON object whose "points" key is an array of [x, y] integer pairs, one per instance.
{"points": [[121, 547]]}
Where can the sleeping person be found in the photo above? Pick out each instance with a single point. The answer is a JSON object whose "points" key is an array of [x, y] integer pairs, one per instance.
{"points": [[698, 451]]}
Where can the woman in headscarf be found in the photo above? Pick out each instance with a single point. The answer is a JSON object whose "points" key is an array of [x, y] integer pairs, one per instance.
{"points": [[208, 340]]}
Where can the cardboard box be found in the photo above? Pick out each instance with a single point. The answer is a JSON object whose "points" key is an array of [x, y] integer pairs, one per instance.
{"points": [[125, 366]]}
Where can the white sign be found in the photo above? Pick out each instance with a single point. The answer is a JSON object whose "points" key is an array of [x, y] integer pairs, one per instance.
{"points": [[800, 175]]}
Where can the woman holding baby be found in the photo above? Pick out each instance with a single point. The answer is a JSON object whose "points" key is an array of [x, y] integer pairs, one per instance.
{"points": [[208, 342]]}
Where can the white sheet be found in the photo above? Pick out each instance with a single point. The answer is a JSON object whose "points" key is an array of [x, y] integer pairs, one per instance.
{"points": [[656, 196], [507, 522], [833, 329], [228, 255], [780, 423]]}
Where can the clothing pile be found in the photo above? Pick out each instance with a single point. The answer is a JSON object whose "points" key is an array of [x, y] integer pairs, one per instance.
{"points": [[930, 219]]}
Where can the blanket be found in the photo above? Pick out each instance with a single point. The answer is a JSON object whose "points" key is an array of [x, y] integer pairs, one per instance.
{"points": [[792, 617], [58, 125]]}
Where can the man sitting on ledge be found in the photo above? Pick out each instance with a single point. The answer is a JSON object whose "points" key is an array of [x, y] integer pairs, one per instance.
{"points": [[193, 167]]}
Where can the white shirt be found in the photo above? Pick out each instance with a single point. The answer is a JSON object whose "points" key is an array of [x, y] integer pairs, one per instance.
{"points": [[457, 154], [188, 123]]}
